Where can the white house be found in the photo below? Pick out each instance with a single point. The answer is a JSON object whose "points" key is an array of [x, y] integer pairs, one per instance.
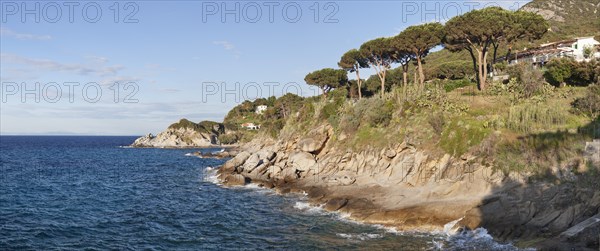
{"points": [[250, 126], [574, 48], [581, 45], [261, 109]]}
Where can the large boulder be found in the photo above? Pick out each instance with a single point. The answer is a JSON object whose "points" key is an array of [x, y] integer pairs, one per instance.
{"points": [[288, 174], [390, 153], [335, 204], [274, 171], [252, 162], [235, 180], [312, 144], [237, 161], [316, 139], [267, 155], [302, 161]]}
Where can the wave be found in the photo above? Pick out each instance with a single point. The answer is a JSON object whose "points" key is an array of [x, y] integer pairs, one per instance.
{"points": [[311, 209], [210, 174], [360, 237], [193, 155], [477, 239], [449, 238], [450, 228], [220, 151]]}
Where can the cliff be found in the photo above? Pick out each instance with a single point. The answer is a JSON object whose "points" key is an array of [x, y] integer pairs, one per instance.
{"points": [[184, 134], [409, 188]]}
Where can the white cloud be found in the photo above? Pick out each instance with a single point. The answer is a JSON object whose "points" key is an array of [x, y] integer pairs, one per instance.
{"points": [[97, 59], [226, 45], [45, 64], [4, 32]]}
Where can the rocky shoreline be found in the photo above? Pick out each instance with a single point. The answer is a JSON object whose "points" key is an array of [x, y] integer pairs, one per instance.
{"points": [[412, 189], [184, 134]]}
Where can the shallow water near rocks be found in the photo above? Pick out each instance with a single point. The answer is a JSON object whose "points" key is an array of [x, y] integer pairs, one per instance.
{"points": [[75, 192]]}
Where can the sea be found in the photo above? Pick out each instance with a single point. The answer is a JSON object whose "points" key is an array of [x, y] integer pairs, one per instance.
{"points": [[95, 193]]}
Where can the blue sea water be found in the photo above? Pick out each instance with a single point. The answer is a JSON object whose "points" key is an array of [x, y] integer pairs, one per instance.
{"points": [[76, 192]]}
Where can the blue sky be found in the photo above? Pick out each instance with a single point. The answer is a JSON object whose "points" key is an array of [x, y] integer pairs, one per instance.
{"points": [[176, 59]]}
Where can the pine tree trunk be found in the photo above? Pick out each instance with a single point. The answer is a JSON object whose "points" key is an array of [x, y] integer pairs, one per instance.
{"points": [[404, 80], [359, 83], [383, 83], [475, 66], [421, 74], [480, 70], [485, 69]]}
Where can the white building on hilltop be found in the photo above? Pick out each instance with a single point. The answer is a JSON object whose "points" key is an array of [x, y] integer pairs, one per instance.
{"points": [[583, 44], [580, 49]]}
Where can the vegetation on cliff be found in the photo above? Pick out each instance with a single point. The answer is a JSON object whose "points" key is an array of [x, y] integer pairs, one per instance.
{"points": [[537, 121], [210, 127]]}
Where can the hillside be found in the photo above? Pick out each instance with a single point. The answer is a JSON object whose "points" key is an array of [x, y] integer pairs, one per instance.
{"points": [[568, 18]]}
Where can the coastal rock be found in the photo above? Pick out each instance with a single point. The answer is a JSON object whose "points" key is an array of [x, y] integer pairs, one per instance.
{"points": [[341, 179], [302, 161], [252, 162], [316, 140], [259, 173], [335, 204], [289, 174], [183, 134], [267, 155], [274, 171], [390, 153], [237, 161], [412, 188], [181, 137], [311, 145], [235, 180]]}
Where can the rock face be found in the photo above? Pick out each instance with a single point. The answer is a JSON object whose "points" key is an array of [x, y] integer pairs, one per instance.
{"points": [[181, 137], [410, 188], [182, 134]]}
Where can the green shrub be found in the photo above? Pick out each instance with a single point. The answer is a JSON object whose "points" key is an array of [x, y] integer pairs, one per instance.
{"points": [[501, 67], [230, 138], [334, 102], [451, 70], [590, 103], [368, 136], [374, 111], [306, 113], [461, 134], [202, 127], [559, 70], [380, 113], [455, 84], [350, 122], [437, 122], [530, 80], [273, 127], [564, 71]]}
